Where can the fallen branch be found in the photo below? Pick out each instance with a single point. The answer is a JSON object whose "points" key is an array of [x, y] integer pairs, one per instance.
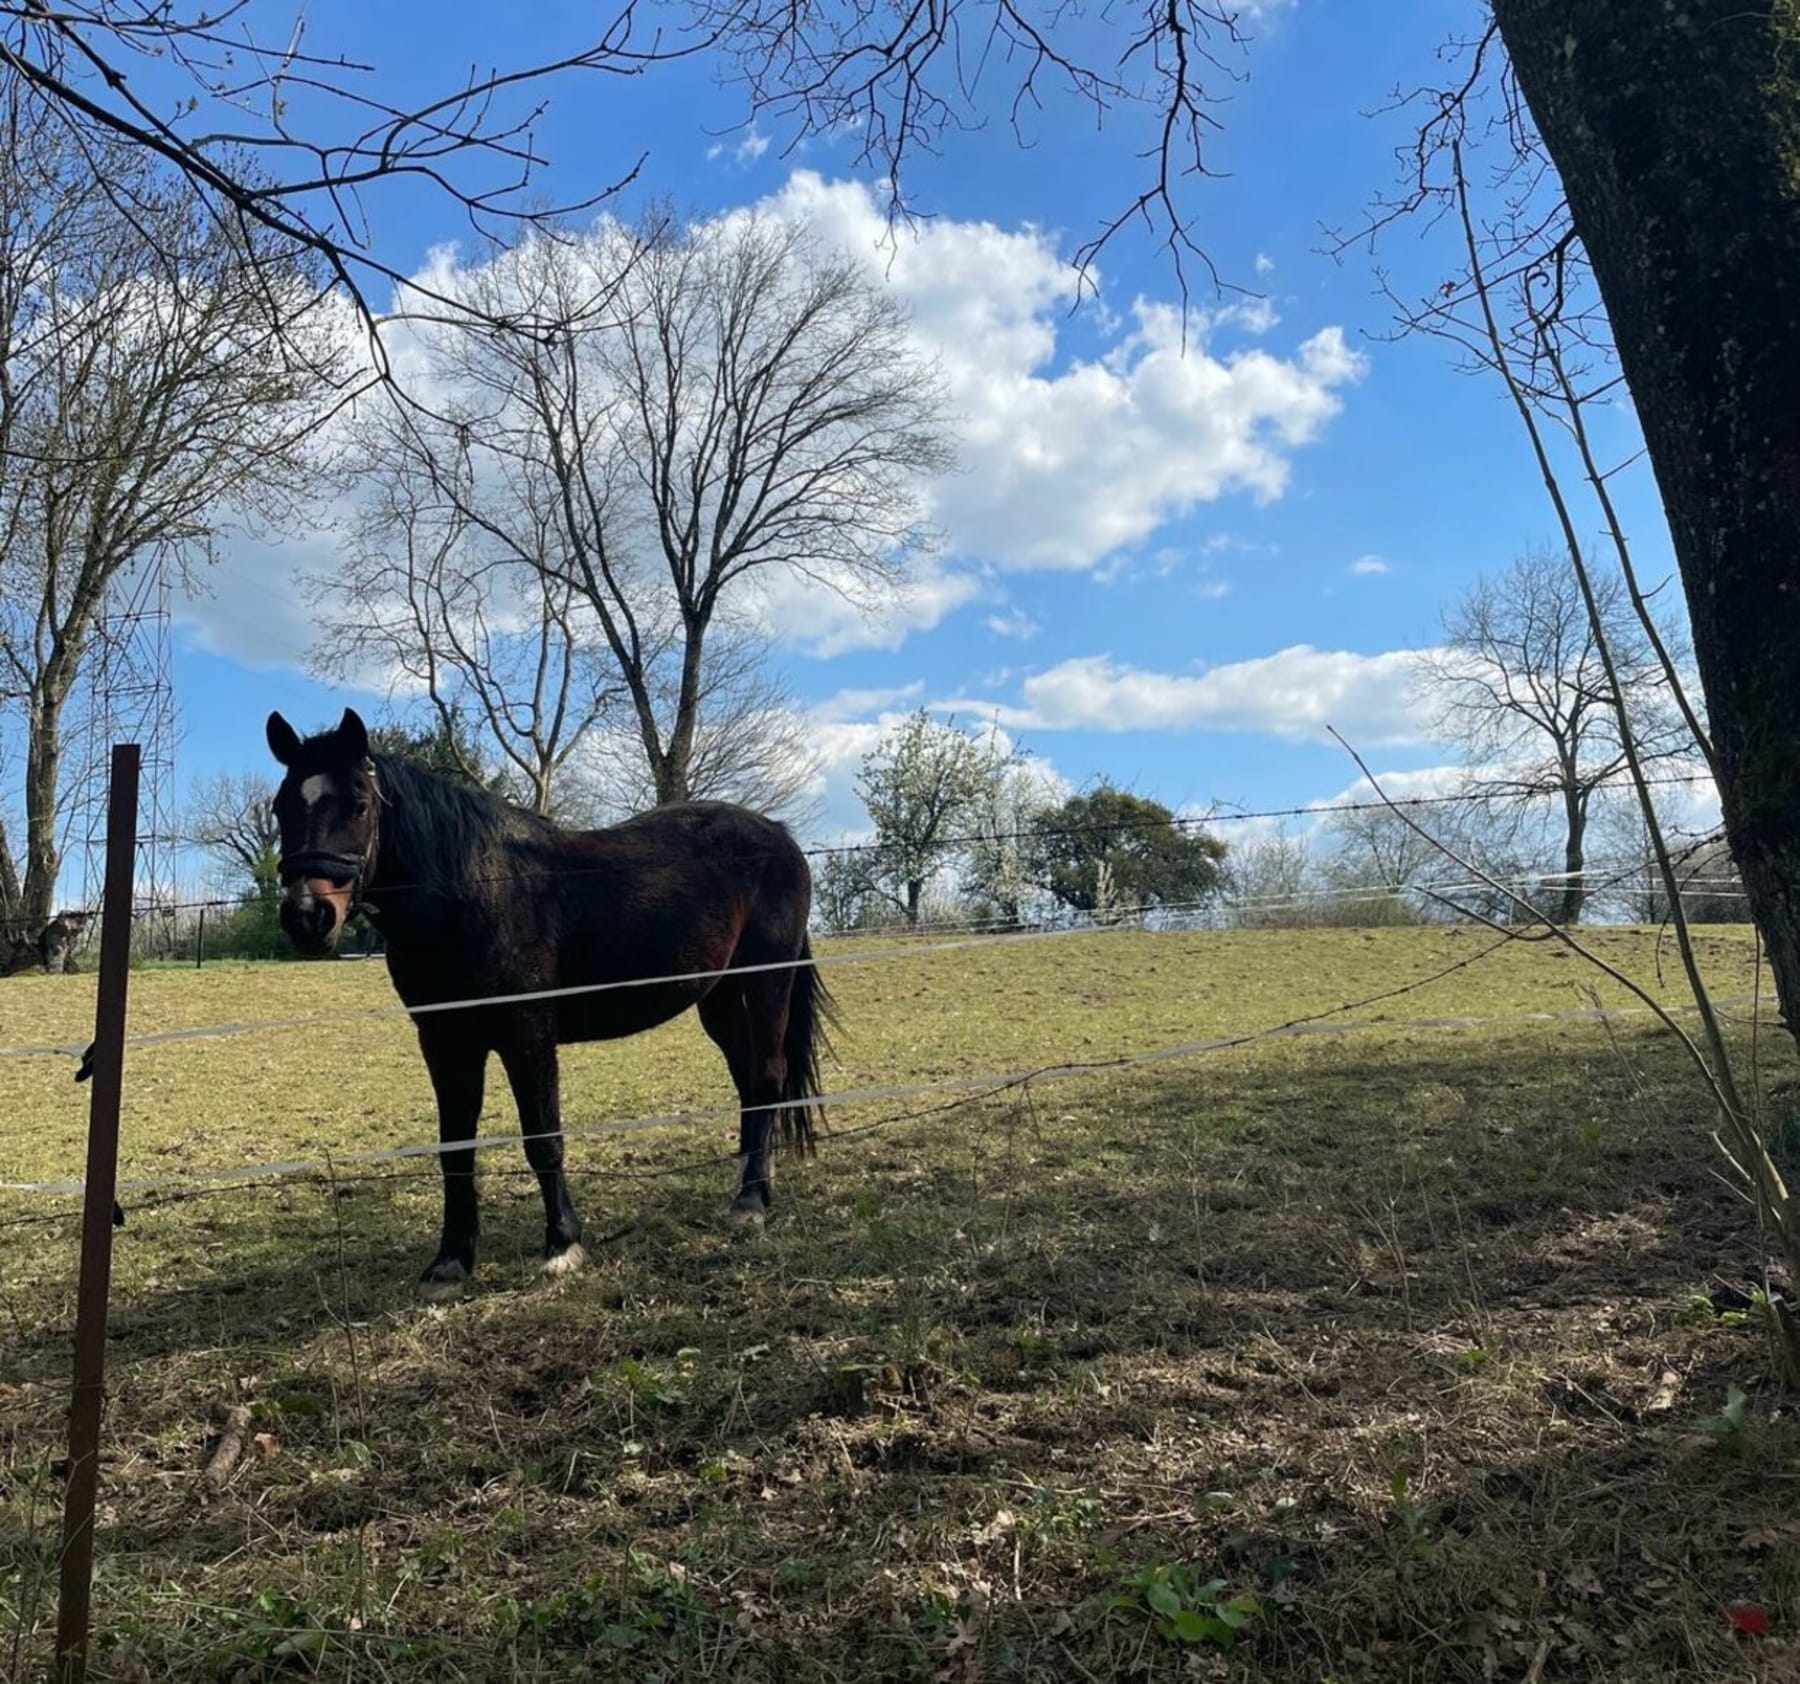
{"points": [[229, 1451]]}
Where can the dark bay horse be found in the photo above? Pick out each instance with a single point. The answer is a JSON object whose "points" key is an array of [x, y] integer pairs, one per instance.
{"points": [[476, 898]]}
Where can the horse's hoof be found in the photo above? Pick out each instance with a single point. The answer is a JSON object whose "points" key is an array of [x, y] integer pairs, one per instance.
{"points": [[442, 1283], [565, 1262], [747, 1216]]}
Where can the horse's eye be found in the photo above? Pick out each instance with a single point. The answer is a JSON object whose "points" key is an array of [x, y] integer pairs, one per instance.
{"points": [[362, 807]]}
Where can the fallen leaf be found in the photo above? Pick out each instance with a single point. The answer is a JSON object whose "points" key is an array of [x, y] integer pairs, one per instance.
{"points": [[1748, 1616], [1584, 1581], [997, 1528], [267, 1444]]}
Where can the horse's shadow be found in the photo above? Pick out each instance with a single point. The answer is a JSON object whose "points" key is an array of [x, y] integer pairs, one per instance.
{"points": [[1153, 1232]]}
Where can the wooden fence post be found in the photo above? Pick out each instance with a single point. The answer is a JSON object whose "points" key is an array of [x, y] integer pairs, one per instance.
{"points": [[88, 1397]]}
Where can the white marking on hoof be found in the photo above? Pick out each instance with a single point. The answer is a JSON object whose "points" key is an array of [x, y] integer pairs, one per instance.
{"points": [[563, 1263], [443, 1291], [745, 1216]]}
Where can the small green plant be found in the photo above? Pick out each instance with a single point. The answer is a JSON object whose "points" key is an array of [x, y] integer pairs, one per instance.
{"points": [[1063, 1512], [1186, 1609], [275, 1635], [651, 1389], [1409, 1518], [652, 1600], [1727, 1427]]}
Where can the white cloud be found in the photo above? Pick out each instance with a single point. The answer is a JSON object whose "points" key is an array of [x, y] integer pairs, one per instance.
{"points": [[1421, 782], [811, 615], [1294, 693], [1015, 622], [1250, 315], [1066, 463], [854, 704], [751, 147], [1210, 590], [1368, 566], [1265, 264]]}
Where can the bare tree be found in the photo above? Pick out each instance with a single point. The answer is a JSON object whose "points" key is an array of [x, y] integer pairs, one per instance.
{"points": [[145, 400], [1372, 862], [1722, 76], [752, 744], [298, 139], [1708, 885], [242, 73], [427, 604], [1380, 868], [900, 78], [844, 897], [1520, 689], [232, 817], [1272, 882], [704, 417]]}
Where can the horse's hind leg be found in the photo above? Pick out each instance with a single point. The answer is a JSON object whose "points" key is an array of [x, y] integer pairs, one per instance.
{"points": [[748, 1022], [528, 1051], [458, 1065]]}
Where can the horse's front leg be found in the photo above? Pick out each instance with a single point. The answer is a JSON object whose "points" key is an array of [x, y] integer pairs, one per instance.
{"points": [[457, 1061], [529, 1053]]}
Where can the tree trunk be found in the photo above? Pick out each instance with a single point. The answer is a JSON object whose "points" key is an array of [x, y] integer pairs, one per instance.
{"points": [[17, 951], [43, 771], [678, 763], [667, 778], [10, 913], [915, 892], [1574, 890], [1676, 131]]}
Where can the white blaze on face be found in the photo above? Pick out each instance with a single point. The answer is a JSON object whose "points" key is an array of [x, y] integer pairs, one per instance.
{"points": [[306, 892]]}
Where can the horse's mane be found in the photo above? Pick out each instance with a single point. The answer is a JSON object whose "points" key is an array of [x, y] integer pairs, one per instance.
{"points": [[442, 828]]}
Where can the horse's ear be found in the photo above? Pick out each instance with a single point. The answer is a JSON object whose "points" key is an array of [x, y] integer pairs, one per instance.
{"points": [[284, 740], [354, 735]]}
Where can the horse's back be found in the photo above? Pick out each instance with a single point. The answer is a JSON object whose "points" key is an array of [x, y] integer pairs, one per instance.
{"points": [[665, 901]]}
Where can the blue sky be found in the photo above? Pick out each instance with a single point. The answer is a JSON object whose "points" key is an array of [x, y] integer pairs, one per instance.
{"points": [[1381, 480]]}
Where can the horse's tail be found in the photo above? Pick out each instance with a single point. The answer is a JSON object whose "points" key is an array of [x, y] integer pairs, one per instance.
{"points": [[811, 1013]]}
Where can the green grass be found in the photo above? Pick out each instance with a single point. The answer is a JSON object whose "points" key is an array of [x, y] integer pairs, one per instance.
{"points": [[1385, 1356]]}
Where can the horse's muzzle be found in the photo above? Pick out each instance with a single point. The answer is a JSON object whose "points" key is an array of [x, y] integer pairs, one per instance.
{"points": [[311, 921]]}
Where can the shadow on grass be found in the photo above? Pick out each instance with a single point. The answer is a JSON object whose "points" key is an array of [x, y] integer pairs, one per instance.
{"points": [[1409, 1338]]}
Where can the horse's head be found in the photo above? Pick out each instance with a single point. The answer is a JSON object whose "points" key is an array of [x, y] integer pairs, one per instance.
{"points": [[328, 808]]}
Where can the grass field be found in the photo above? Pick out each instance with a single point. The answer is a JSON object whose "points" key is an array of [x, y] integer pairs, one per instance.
{"points": [[1413, 1353]]}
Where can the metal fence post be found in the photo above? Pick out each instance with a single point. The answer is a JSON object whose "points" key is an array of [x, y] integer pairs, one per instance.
{"points": [[88, 1397]]}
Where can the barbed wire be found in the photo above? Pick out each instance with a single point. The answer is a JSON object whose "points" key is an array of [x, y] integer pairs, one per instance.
{"points": [[944, 844], [538, 996], [971, 1087], [913, 948], [1202, 820]]}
